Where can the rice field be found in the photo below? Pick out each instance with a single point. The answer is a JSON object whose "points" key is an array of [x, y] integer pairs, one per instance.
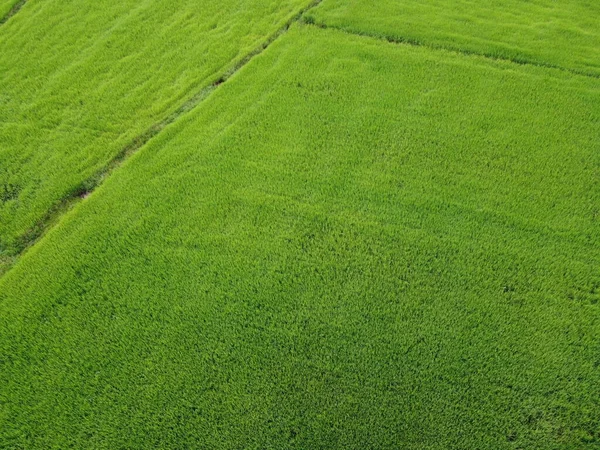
{"points": [[80, 80], [556, 33], [356, 232], [5, 7], [350, 244]]}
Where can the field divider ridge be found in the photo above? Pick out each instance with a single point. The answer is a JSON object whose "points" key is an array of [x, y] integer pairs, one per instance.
{"points": [[418, 43], [83, 190], [14, 10]]}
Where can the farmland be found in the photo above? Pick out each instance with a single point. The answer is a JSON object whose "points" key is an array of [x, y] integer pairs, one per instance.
{"points": [[75, 94], [6, 6], [348, 243], [563, 34]]}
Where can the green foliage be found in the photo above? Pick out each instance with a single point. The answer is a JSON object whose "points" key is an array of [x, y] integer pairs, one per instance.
{"points": [[6, 6], [350, 244], [80, 79], [556, 33]]}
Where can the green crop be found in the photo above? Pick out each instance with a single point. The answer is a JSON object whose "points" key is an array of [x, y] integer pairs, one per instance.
{"points": [[79, 80], [6, 6], [349, 244], [557, 33]]}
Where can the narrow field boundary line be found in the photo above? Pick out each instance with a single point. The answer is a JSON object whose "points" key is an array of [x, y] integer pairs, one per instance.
{"points": [[84, 189], [15, 9], [417, 43]]}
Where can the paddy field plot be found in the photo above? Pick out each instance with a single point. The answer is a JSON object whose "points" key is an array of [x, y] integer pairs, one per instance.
{"points": [[79, 80], [6, 6], [560, 33], [349, 244]]}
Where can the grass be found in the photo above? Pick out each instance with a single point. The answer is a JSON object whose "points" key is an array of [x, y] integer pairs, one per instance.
{"points": [[5, 7], [350, 244], [80, 80], [562, 34]]}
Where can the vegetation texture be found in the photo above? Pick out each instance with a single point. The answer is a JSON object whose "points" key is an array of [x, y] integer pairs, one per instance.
{"points": [[559, 33], [350, 244], [5, 7], [79, 80]]}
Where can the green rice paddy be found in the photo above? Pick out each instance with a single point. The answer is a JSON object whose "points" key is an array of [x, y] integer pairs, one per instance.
{"points": [[80, 79], [6, 6], [350, 243], [558, 33]]}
